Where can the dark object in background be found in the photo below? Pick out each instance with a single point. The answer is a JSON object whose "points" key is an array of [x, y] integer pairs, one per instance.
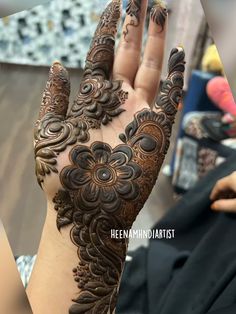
{"points": [[193, 273], [214, 129], [226, 195]]}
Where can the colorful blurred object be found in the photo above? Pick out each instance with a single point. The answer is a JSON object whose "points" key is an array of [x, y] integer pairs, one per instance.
{"points": [[211, 61], [220, 93]]}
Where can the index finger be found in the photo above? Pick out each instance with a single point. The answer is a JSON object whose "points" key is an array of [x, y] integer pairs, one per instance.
{"points": [[100, 57]]}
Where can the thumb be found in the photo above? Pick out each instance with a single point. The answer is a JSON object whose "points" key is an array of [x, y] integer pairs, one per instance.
{"points": [[57, 92]]}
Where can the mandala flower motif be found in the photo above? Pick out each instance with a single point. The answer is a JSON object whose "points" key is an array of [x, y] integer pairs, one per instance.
{"points": [[99, 101], [101, 177]]}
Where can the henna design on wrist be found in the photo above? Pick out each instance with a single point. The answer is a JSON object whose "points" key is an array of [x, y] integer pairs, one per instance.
{"points": [[105, 189], [159, 14], [134, 11]]}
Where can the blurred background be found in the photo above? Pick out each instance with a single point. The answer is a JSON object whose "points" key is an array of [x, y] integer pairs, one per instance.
{"points": [[61, 30]]}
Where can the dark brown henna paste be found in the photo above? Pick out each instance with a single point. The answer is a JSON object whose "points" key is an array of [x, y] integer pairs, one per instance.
{"points": [[159, 14], [108, 188], [172, 88], [100, 57], [134, 11], [99, 100], [57, 92], [105, 188], [52, 136]]}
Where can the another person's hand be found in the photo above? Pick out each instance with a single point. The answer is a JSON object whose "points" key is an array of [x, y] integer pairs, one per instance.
{"points": [[223, 194], [99, 160]]}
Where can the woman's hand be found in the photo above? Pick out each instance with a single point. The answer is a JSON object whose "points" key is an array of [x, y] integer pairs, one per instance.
{"points": [[223, 194], [98, 161]]}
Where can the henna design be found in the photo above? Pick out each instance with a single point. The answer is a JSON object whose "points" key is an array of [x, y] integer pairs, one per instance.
{"points": [[172, 89], [159, 14], [105, 189], [100, 57], [133, 10], [99, 101], [57, 92], [52, 136]]}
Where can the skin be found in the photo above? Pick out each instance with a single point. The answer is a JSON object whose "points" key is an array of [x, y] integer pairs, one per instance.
{"points": [[125, 128], [223, 194]]}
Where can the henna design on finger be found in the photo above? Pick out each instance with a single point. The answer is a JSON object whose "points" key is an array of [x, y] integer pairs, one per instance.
{"points": [[172, 89], [134, 11], [100, 57], [57, 92], [98, 102], [159, 14], [100, 99]]}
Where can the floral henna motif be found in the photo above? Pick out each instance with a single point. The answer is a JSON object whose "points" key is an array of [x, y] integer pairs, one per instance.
{"points": [[99, 101], [52, 136], [133, 10], [105, 189], [159, 14], [101, 177], [172, 89]]}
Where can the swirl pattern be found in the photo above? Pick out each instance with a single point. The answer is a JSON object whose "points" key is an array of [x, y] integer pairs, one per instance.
{"points": [[107, 188], [133, 10]]}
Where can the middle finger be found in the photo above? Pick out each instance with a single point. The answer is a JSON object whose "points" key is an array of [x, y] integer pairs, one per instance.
{"points": [[129, 51]]}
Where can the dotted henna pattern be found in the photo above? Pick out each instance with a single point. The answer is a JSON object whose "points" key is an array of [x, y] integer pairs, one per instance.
{"points": [[104, 188]]}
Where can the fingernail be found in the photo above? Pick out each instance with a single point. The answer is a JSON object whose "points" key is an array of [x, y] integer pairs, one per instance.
{"points": [[180, 46], [159, 14]]}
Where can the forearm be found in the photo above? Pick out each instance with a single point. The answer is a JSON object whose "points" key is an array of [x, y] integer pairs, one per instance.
{"points": [[52, 285]]}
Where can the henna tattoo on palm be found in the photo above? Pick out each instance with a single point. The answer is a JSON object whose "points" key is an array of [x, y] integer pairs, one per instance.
{"points": [[98, 101], [104, 188]]}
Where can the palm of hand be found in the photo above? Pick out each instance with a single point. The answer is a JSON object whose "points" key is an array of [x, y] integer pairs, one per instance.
{"points": [[99, 162]]}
